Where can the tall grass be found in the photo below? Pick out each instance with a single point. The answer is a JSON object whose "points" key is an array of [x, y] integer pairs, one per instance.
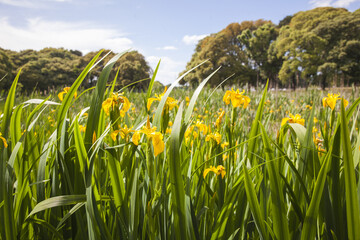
{"points": [[73, 171]]}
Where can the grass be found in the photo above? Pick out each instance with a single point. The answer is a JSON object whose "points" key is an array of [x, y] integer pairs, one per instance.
{"points": [[72, 171]]}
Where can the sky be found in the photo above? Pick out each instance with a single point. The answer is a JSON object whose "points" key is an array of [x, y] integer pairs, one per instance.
{"points": [[158, 29]]}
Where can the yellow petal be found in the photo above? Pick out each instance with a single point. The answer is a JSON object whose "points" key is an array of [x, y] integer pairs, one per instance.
{"points": [[158, 143], [136, 138], [61, 96], [4, 141], [114, 134], [150, 101], [284, 121]]}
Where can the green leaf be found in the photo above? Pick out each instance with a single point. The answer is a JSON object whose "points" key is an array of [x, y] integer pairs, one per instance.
{"points": [[254, 204], [57, 202], [194, 97], [176, 179], [255, 129], [352, 206], [280, 223]]}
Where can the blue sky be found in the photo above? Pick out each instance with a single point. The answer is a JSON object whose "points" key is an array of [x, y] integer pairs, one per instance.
{"points": [[166, 30]]}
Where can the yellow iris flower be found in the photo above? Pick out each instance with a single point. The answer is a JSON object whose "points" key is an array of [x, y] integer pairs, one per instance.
{"points": [[219, 119], [217, 170], [330, 100], [293, 119], [215, 136], [4, 141], [82, 128], [114, 101], [170, 102], [201, 126], [124, 132], [155, 137], [65, 90], [237, 99]]}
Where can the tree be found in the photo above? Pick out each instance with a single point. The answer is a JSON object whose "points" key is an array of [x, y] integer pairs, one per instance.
{"points": [[222, 49], [256, 44], [133, 67], [6, 70], [310, 45]]}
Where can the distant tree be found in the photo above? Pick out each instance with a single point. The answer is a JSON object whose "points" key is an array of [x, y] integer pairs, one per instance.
{"points": [[6, 70], [285, 21], [256, 44], [223, 49], [49, 67], [133, 67], [304, 49]]}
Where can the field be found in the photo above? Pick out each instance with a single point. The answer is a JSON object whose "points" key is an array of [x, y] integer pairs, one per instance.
{"points": [[179, 163]]}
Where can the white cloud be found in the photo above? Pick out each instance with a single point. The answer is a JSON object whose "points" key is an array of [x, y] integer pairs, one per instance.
{"points": [[30, 3], [39, 33], [169, 69], [167, 48], [193, 39], [344, 3], [332, 3]]}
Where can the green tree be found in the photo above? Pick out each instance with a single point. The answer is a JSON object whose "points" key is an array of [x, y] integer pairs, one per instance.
{"points": [[6, 70], [315, 46], [256, 44], [222, 49], [133, 67]]}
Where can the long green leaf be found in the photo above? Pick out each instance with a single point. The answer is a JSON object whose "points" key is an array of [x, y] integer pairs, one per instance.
{"points": [[280, 223], [255, 129], [352, 206], [254, 204], [176, 179]]}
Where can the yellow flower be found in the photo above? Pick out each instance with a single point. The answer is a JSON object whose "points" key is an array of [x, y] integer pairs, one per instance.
{"points": [[202, 127], [158, 143], [215, 136], [136, 138], [170, 102], [219, 119], [65, 90], [237, 99], [188, 132], [82, 128], [168, 131], [330, 100], [293, 119], [114, 102], [4, 141], [155, 137], [217, 170], [225, 144], [308, 106], [316, 120], [124, 132], [94, 138]]}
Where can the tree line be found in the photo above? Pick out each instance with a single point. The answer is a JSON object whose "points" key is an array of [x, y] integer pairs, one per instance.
{"points": [[51, 68], [317, 47]]}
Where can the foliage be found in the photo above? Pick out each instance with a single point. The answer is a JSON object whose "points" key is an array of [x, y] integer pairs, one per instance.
{"points": [[50, 68], [222, 49], [102, 165]]}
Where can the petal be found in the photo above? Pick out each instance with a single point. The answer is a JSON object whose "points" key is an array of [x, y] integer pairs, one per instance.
{"points": [[284, 121], [4, 141], [136, 137], [150, 101], [61, 96]]}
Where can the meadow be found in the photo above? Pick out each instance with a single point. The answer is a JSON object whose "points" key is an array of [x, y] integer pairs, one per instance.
{"points": [[178, 163]]}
